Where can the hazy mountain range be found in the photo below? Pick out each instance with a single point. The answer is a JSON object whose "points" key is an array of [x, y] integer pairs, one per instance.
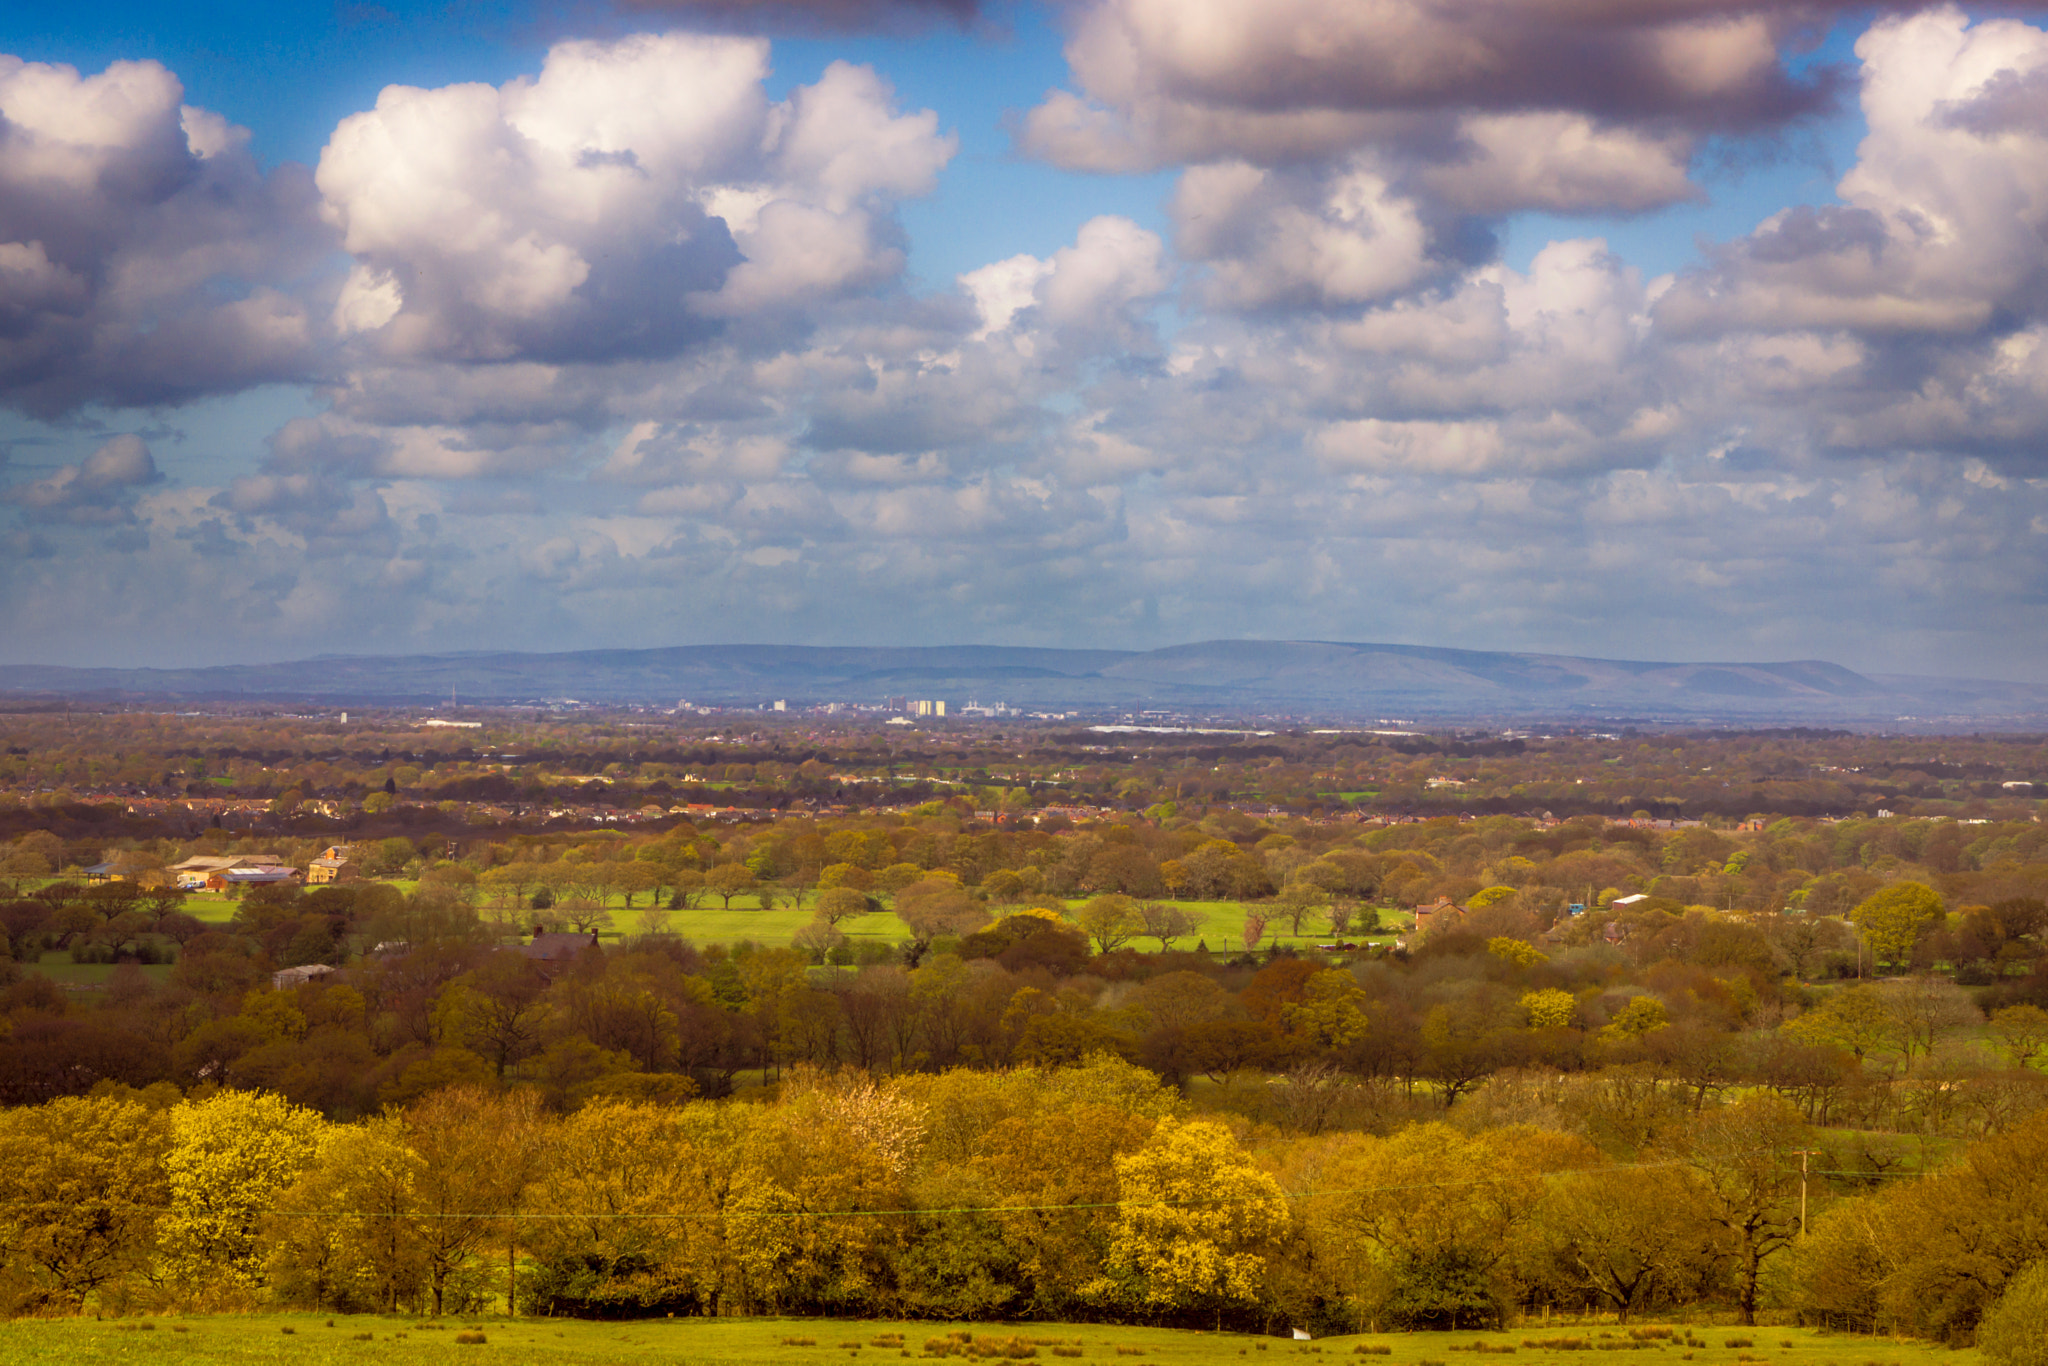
{"points": [[1214, 677]]}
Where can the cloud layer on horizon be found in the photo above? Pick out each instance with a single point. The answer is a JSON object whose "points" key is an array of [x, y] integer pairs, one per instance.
{"points": [[624, 352]]}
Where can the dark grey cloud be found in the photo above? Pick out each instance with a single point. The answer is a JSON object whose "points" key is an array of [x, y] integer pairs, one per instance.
{"points": [[1338, 152], [1710, 65], [1270, 80], [144, 257]]}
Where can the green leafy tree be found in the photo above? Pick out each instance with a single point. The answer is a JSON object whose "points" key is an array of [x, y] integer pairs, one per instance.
{"points": [[844, 875], [1111, 921], [1423, 1228], [1853, 1020], [1895, 919], [729, 880], [1969, 1230], [2022, 1031]]}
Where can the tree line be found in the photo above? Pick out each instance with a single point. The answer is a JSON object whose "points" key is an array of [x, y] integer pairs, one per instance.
{"points": [[1084, 1192]]}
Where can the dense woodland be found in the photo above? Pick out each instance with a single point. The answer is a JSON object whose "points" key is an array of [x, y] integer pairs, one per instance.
{"points": [[1076, 1078]]}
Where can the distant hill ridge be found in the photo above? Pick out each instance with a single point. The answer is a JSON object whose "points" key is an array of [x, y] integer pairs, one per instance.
{"points": [[1335, 677]]}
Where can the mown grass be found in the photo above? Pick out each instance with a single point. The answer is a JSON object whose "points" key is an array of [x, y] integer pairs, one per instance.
{"points": [[349, 1339]]}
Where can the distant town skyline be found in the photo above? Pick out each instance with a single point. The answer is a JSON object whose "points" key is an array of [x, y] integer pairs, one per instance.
{"points": [[1520, 325]]}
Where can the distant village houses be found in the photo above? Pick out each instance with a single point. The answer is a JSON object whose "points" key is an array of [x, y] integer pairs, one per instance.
{"points": [[1438, 914], [337, 865]]}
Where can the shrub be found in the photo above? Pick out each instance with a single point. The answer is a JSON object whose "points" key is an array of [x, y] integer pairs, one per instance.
{"points": [[470, 1339], [2015, 1331]]}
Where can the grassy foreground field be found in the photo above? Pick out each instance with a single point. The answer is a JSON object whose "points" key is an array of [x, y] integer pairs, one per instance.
{"points": [[316, 1340]]}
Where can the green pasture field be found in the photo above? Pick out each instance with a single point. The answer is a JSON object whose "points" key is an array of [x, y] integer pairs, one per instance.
{"points": [[1222, 927], [348, 1339], [209, 908], [714, 925]]}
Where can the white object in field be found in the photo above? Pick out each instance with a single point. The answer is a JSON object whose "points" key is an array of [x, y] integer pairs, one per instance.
{"points": [[1300, 1336]]}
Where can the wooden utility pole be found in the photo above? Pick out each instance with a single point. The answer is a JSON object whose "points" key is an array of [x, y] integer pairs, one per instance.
{"points": [[1804, 1154]]}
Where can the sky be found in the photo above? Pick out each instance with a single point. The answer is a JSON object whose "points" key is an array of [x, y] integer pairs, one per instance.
{"points": [[1651, 329]]}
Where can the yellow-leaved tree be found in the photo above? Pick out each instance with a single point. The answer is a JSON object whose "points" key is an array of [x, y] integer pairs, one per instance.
{"points": [[1195, 1222], [629, 1212], [1004, 1225], [342, 1235], [1642, 1015], [1520, 952], [1420, 1230], [1332, 1011], [833, 1148], [481, 1149], [81, 1189], [231, 1156], [1550, 1008]]}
